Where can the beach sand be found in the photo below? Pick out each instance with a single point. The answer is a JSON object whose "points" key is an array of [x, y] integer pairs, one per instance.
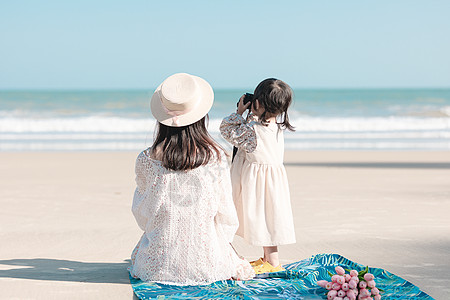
{"points": [[66, 229]]}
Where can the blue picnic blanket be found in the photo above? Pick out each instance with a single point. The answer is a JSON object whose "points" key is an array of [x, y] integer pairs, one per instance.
{"points": [[297, 282]]}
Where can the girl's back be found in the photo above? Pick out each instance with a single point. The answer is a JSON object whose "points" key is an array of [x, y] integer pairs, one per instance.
{"points": [[269, 145]]}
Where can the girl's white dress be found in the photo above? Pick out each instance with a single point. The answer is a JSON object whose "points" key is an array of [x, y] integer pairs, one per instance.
{"points": [[259, 180], [189, 221]]}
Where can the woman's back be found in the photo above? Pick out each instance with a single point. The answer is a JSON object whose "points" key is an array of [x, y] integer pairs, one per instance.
{"points": [[188, 218]]}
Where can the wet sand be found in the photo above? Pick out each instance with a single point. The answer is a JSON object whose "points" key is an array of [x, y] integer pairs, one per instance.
{"points": [[66, 229]]}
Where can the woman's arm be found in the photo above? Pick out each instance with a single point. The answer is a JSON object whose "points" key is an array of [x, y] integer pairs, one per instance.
{"points": [[140, 194], [226, 218]]}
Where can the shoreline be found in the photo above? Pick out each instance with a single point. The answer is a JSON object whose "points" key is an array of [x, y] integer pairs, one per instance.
{"points": [[67, 228]]}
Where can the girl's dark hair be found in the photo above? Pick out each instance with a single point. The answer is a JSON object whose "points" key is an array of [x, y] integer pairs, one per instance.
{"points": [[184, 148], [275, 96]]}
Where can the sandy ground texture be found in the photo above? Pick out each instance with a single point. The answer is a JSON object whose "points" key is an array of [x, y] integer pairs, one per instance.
{"points": [[66, 230]]}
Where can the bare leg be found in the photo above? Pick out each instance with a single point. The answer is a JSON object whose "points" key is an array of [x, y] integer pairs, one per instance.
{"points": [[271, 255]]}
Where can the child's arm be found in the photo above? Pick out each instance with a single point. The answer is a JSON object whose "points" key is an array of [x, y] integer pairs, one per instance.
{"points": [[238, 132]]}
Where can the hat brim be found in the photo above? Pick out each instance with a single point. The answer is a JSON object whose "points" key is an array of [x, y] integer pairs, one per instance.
{"points": [[201, 109]]}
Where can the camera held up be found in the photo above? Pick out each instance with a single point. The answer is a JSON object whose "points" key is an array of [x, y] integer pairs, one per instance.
{"points": [[247, 98]]}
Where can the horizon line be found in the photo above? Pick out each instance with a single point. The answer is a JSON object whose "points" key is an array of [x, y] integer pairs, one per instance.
{"points": [[79, 89]]}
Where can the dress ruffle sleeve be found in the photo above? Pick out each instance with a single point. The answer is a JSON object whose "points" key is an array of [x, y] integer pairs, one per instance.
{"points": [[238, 132], [226, 218]]}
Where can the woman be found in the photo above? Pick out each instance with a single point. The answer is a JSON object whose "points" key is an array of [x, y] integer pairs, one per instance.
{"points": [[183, 197]]}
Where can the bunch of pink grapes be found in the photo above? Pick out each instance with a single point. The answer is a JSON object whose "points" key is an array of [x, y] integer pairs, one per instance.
{"points": [[351, 286]]}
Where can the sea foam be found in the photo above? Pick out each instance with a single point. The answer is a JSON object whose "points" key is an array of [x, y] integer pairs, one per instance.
{"points": [[105, 124], [119, 133]]}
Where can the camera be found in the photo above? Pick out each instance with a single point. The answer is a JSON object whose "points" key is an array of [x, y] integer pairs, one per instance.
{"points": [[247, 98]]}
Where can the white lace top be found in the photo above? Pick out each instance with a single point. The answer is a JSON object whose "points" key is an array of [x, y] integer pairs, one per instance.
{"points": [[189, 221]]}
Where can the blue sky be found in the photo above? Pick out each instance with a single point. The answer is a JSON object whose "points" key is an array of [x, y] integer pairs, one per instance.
{"points": [[233, 44]]}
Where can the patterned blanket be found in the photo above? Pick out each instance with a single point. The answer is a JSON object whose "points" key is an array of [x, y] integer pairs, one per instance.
{"points": [[297, 282]]}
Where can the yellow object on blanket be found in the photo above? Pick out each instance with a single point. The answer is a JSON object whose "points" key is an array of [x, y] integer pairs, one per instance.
{"points": [[260, 267]]}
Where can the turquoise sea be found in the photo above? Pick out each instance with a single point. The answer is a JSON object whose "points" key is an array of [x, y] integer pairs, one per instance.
{"points": [[344, 119]]}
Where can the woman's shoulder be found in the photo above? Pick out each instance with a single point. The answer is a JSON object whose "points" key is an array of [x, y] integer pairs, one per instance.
{"points": [[219, 153], [219, 157], [145, 157]]}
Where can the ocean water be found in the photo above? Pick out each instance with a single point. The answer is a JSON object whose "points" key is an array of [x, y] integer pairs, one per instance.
{"points": [[347, 119]]}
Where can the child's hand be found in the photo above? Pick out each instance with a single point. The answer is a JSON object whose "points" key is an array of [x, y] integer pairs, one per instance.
{"points": [[241, 107]]}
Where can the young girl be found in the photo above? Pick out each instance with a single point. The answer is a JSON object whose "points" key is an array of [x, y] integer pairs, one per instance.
{"points": [[259, 181], [183, 197]]}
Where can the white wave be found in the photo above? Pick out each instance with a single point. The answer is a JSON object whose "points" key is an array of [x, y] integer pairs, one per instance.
{"points": [[309, 124], [133, 125], [82, 124], [289, 136], [104, 133], [139, 146]]}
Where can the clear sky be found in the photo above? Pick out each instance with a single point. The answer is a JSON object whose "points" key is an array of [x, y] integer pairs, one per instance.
{"points": [[98, 44]]}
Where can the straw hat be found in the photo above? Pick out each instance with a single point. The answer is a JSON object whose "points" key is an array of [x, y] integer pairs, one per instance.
{"points": [[182, 99]]}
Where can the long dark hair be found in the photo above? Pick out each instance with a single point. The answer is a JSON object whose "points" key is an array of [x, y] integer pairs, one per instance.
{"points": [[184, 148], [275, 96]]}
